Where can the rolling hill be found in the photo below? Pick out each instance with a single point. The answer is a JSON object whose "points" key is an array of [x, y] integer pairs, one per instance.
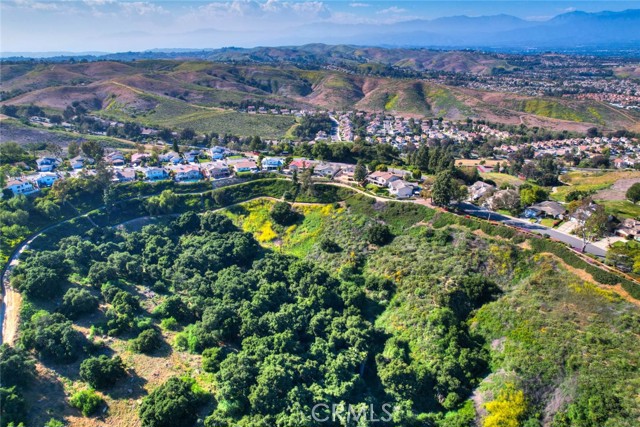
{"points": [[191, 93]]}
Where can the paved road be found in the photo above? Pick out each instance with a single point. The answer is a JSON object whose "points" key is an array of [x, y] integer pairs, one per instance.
{"points": [[533, 228]]}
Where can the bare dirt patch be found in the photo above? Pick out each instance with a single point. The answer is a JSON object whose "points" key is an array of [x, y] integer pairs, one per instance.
{"points": [[617, 191]]}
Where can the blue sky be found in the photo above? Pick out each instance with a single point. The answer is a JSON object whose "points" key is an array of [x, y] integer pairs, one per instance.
{"points": [[116, 26]]}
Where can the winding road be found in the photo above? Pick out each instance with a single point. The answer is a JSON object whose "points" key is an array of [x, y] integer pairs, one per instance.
{"points": [[573, 241]]}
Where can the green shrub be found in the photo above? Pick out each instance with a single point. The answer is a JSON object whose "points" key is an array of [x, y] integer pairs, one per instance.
{"points": [[212, 357], [54, 423], [77, 302], [283, 214], [170, 324], [173, 404], [148, 341], [378, 234], [53, 337], [102, 372], [329, 246], [87, 401]]}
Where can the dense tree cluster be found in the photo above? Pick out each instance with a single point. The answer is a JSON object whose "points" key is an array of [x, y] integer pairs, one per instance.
{"points": [[310, 125], [16, 374]]}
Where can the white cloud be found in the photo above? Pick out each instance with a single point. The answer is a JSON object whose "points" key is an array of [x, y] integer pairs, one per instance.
{"points": [[29, 4], [253, 15], [393, 10], [359, 4], [143, 8]]}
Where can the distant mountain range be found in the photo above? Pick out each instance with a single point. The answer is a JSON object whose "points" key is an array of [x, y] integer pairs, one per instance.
{"points": [[608, 32]]}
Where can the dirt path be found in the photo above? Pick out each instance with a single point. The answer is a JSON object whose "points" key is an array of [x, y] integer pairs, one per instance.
{"points": [[617, 289]]}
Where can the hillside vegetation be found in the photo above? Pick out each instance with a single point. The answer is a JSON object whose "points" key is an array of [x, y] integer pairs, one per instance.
{"points": [[252, 315]]}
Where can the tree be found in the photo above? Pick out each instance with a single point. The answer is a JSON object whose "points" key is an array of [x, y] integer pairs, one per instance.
{"points": [[93, 149], [13, 408], [187, 134], [530, 195], [282, 214], [508, 200], [360, 172], [87, 401], [213, 357], [442, 191], [47, 207], [54, 338], [148, 341], [173, 404], [592, 220], [16, 367], [163, 204], [39, 282], [256, 144], [77, 302], [102, 372], [378, 234], [633, 193]]}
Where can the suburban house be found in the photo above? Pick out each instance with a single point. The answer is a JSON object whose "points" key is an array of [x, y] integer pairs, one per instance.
{"points": [[326, 170], [629, 228], [346, 172], [46, 179], [155, 174], [246, 166], [138, 158], [547, 209], [192, 156], [480, 189], [382, 178], [218, 170], [47, 164], [272, 163], [298, 165], [501, 198], [124, 175], [171, 157], [187, 173], [218, 153], [115, 158], [78, 162], [400, 188], [20, 186], [583, 212]]}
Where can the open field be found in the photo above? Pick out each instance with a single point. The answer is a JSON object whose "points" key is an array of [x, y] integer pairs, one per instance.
{"points": [[476, 162], [595, 182], [621, 208], [502, 178]]}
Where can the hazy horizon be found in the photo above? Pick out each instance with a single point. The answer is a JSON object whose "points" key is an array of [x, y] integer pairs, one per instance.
{"points": [[119, 26]]}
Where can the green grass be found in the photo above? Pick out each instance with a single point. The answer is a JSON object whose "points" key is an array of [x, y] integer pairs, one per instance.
{"points": [[502, 178], [621, 208], [590, 182]]}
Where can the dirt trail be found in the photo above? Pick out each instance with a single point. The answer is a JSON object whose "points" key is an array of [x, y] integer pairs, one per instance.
{"points": [[617, 289]]}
